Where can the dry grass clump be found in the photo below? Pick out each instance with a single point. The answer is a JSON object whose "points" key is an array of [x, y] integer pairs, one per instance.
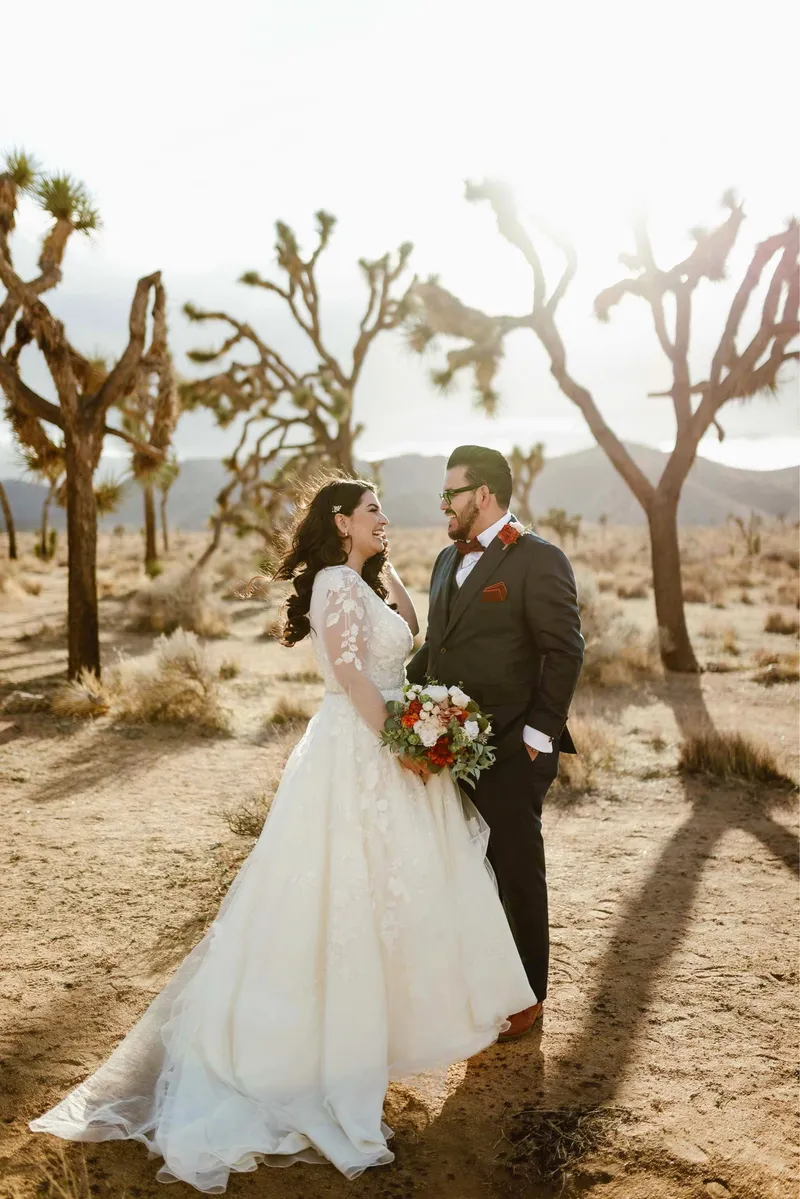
{"points": [[729, 643], [632, 591], [546, 1145], [229, 669], [247, 818], [776, 668], [178, 600], [617, 651], [730, 756], [273, 629], [299, 676], [703, 583], [183, 688], [288, 712], [787, 595], [776, 622], [83, 697], [597, 751]]}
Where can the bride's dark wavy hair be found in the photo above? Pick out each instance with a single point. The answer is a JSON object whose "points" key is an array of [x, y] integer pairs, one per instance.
{"points": [[314, 542]]}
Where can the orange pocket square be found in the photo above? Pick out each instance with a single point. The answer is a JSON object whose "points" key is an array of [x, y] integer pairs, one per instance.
{"points": [[494, 594]]}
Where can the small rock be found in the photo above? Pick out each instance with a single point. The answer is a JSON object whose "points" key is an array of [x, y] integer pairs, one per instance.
{"points": [[717, 1189]]}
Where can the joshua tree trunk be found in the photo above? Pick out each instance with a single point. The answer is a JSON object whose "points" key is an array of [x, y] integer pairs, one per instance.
{"points": [[164, 533], [676, 648], [83, 624], [44, 548], [9, 519], [150, 544]]}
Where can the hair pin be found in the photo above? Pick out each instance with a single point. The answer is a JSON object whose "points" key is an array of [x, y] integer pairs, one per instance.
{"points": [[336, 508]]}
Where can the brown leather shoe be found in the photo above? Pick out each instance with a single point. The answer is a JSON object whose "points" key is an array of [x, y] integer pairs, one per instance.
{"points": [[522, 1022]]}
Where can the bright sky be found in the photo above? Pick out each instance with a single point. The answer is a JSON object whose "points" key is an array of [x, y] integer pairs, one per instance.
{"points": [[196, 125]]}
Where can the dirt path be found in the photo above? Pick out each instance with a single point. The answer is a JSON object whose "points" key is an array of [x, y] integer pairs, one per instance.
{"points": [[674, 980]]}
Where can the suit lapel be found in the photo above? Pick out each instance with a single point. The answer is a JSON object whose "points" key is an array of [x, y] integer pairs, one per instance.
{"points": [[480, 574], [441, 589]]}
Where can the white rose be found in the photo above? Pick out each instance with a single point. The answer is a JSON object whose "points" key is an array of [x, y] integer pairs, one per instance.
{"points": [[427, 735], [458, 698], [472, 729], [428, 707], [436, 692]]}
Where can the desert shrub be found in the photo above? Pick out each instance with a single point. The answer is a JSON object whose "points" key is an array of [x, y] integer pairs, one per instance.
{"points": [[776, 622], [83, 697], [776, 668], [787, 594], [247, 818], [729, 643], [299, 676], [729, 756], [694, 594], [288, 711], [229, 669], [273, 629], [183, 688], [546, 1146], [597, 751], [632, 591], [605, 583], [616, 650], [178, 600]]}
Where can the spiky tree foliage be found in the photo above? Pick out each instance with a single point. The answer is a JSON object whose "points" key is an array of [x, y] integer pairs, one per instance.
{"points": [[85, 390], [292, 420], [742, 365], [149, 413], [525, 468]]}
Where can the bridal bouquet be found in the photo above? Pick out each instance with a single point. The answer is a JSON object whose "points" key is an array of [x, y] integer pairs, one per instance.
{"points": [[441, 726]]}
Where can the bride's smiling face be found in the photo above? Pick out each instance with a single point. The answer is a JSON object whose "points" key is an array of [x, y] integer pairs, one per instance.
{"points": [[366, 525]]}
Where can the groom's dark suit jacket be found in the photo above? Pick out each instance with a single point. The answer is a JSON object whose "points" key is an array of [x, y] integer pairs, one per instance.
{"points": [[516, 648]]}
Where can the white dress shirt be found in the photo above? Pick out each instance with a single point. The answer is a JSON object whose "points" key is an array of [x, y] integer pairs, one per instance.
{"points": [[532, 737]]}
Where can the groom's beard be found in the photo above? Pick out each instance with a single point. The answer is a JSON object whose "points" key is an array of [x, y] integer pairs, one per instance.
{"points": [[467, 519]]}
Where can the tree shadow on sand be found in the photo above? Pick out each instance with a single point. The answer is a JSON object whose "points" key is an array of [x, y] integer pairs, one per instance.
{"points": [[656, 918], [652, 925]]}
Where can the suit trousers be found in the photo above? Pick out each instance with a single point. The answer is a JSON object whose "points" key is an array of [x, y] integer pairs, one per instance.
{"points": [[509, 796]]}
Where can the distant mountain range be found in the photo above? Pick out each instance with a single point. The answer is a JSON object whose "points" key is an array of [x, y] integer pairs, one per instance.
{"points": [[583, 483]]}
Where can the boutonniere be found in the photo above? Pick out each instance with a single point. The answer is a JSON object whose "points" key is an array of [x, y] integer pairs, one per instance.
{"points": [[510, 534]]}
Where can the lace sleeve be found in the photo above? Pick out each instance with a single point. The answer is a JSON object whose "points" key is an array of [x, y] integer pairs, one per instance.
{"points": [[345, 636]]}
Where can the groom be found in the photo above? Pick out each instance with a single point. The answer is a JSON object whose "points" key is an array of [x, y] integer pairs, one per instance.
{"points": [[503, 622]]}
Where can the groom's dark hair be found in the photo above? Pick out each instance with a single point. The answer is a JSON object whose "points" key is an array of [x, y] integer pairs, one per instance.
{"points": [[485, 466]]}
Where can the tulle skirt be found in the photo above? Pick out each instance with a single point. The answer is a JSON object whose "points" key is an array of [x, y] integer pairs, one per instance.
{"points": [[363, 940]]}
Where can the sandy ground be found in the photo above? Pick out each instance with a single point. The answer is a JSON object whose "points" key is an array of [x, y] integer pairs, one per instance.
{"points": [[673, 908]]}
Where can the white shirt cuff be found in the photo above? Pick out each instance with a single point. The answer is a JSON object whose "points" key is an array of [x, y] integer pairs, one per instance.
{"points": [[537, 740]]}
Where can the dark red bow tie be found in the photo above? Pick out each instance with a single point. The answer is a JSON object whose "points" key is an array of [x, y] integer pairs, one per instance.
{"points": [[470, 547]]}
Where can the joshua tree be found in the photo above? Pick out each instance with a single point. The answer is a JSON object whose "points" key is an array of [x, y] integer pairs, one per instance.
{"points": [[293, 420], [9, 519], [167, 475], [84, 392], [149, 413], [525, 468], [743, 364], [51, 472]]}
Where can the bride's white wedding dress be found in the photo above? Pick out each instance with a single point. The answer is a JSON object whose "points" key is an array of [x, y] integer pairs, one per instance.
{"points": [[362, 940]]}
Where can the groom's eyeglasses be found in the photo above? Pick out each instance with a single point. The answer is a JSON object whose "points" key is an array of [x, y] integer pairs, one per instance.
{"points": [[451, 491]]}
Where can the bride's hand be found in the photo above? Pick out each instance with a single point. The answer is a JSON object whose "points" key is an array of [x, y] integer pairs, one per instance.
{"points": [[416, 767]]}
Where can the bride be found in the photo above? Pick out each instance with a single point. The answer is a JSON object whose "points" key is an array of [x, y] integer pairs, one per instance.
{"points": [[362, 940]]}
